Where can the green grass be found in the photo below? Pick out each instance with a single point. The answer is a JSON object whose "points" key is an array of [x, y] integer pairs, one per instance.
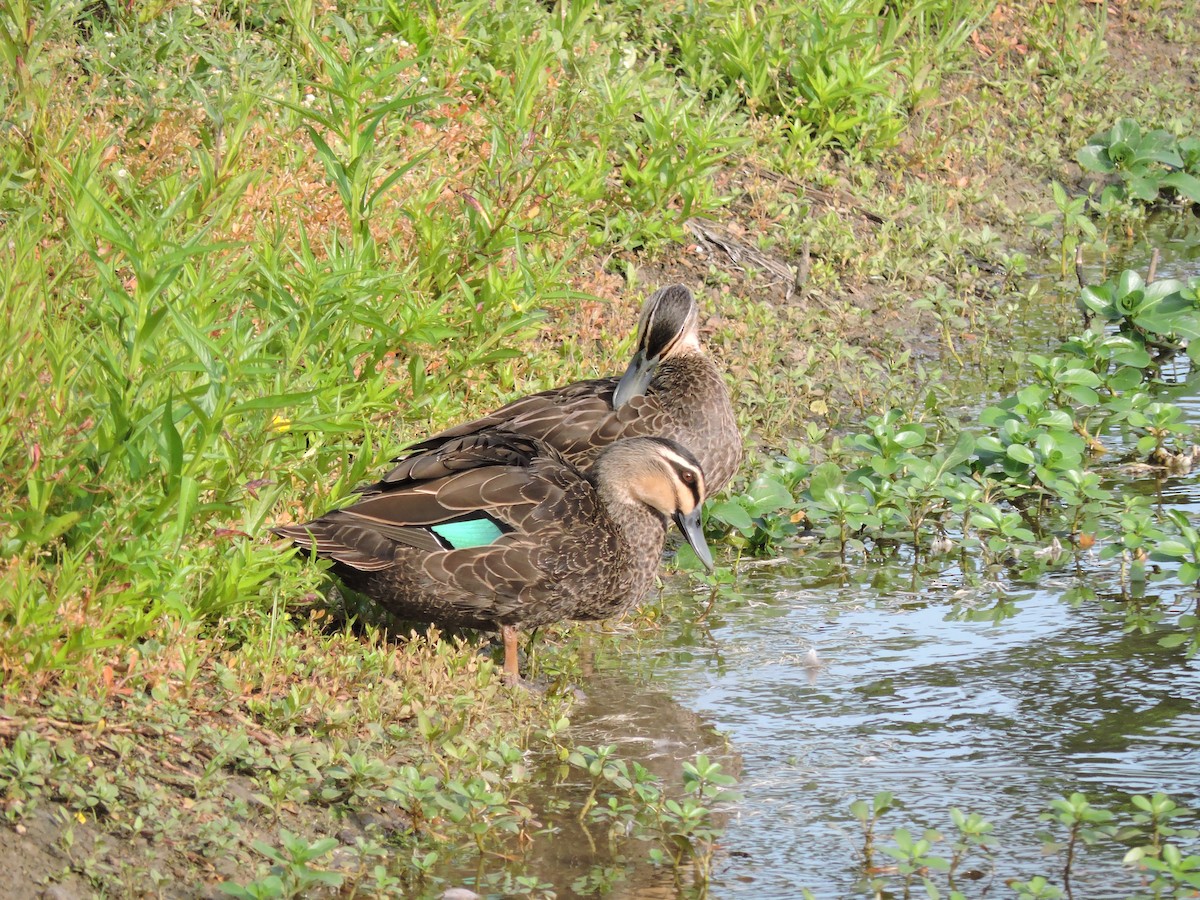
{"points": [[249, 251]]}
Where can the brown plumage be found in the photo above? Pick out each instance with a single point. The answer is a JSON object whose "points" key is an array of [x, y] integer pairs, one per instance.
{"points": [[671, 389], [497, 530]]}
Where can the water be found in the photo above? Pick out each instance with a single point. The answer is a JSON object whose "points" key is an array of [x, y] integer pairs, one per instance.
{"points": [[913, 697], [910, 698]]}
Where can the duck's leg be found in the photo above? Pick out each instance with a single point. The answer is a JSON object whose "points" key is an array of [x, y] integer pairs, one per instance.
{"points": [[511, 673]]}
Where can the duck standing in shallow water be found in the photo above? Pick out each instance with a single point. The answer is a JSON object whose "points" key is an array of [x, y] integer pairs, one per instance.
{"points": [[497, 530], [671, 389]]}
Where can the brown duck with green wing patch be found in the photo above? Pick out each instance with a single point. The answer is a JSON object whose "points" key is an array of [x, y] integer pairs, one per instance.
{"points": [[496, 530]]}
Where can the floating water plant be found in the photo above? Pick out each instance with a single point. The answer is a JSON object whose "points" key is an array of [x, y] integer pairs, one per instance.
{"points": [[1147, 163]]}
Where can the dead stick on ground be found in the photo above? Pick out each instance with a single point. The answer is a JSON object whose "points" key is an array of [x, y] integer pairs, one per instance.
{"points": [[802, 268]]}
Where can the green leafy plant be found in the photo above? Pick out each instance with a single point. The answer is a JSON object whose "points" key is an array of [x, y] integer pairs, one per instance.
{"points": [[291, 872], [760, 518], [690, 824], [1075, 222], [1184, 548], [1085, 825], [830, 68], [357, 97], [842, 512], [1163, 316], [1147, 163], [868, 814]]}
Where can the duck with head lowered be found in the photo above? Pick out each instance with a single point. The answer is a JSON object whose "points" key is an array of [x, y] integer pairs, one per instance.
{"points": [[497, 530], [670, 389]]}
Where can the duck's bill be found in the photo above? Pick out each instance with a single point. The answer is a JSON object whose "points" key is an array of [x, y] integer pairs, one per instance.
{"points": [[690, 526], [636, 379]]}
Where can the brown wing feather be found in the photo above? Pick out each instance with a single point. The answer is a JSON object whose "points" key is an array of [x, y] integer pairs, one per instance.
{"points": [[577, 420], [327, 537], [506, 476], [537, 412], [462, 453]]}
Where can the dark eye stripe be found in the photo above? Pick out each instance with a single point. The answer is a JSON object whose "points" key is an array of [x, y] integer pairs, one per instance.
{"points": [[685, 469], [691, 479], [668, 320], [660, 336]]}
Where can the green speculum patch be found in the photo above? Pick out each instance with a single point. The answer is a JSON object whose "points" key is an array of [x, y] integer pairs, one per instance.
{"points": [[475, 531]]}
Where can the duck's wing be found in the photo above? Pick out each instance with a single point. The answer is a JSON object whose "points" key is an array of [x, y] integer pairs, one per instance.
{"points": [[577, 420], [467, 493], [574, 407]]}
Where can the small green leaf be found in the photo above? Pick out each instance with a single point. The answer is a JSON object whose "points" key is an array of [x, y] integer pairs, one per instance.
{"points": [[1080, 376], [172, 443], [1143, 187], [58, 526], [1020, 453], [734, 515], [272, 402], [1124, 379], [1094, 158], [1170, 550], [910, 436], [189, 496], [825, 477], [1186, 185], [961, 452], [1082, 395], [1189, 573], [768, 494], [1097, 300]]}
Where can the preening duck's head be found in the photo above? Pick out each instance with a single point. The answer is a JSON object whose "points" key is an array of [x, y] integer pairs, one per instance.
{"points": [[669, 326]]}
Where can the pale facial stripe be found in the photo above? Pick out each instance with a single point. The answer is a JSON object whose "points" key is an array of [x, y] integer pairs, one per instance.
{"points": [[679, 464]]}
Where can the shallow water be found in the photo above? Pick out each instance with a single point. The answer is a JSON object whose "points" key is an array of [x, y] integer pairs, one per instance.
{"points": [[910, 698]]}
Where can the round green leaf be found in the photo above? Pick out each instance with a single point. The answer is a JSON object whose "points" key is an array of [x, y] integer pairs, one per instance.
{"points": [[989, 444], [1125, 378], [910, 436], [1021, 454], [1094, 158], [1082, 395], [1170, 550]]}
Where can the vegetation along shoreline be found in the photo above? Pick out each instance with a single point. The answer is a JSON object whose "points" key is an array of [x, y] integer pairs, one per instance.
{"points": [[249, 253]]}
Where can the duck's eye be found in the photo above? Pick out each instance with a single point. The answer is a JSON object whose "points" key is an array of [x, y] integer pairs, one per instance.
{"points": [[687, 477]]}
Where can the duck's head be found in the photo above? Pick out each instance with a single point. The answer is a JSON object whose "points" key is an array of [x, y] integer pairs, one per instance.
{"points": [[669, 326], [663, 475]]}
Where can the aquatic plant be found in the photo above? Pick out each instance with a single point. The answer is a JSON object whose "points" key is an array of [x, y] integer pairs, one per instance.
{"points": [[1147, 163], [1143, 832], [1027, 479], [1162, 317]]}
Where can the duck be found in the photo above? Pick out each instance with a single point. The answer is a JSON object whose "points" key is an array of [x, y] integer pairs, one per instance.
{"points": [[499, 531], [671, 389]]}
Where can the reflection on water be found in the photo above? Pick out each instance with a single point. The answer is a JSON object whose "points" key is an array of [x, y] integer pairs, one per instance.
{"points": [[1177, 237], [647, 726], [995, 719]]}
